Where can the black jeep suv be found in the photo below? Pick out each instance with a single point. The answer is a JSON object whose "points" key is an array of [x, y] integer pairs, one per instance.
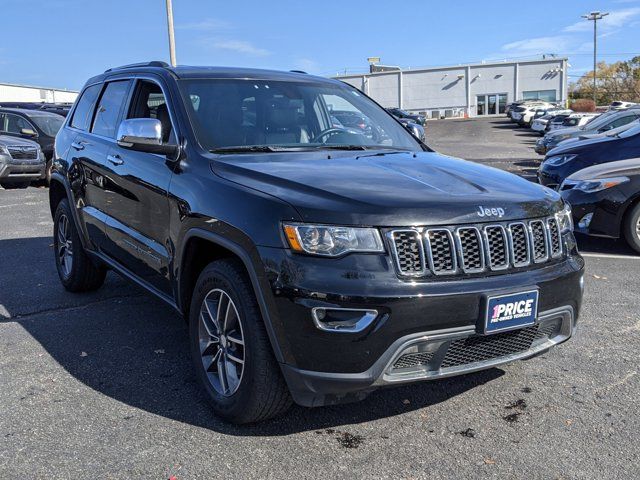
{"points": [[313, 263]]}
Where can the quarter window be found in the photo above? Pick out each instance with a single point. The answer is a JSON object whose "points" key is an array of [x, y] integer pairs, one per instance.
{"points": [[81, 115], [109, 108]]}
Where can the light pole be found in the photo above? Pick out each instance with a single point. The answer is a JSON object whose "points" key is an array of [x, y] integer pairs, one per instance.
{"points": [[172, 40], [595, 16]]}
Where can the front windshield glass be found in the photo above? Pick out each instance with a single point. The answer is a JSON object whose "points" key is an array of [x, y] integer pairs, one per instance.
{"points": [[49, 124], [288, 114]]}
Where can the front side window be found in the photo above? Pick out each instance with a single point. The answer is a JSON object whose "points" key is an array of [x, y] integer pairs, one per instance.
{"points": [[149, 102], [109, 108], [82, 114], [12, 123], [288, 114]]}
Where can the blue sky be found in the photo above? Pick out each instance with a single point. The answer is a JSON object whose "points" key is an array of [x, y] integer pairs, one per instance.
{"points": [[60, 43]]}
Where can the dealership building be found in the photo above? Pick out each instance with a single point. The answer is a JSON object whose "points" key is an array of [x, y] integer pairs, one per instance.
{"points": [[477, 89], [10, 92]]}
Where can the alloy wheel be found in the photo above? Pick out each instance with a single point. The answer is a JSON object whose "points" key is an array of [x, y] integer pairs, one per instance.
{"points": [[638, 228], [221, 342], [65, 245]]}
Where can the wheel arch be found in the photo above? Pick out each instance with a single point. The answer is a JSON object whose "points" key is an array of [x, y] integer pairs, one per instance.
{"points": [[626, 211], [201, 247]]}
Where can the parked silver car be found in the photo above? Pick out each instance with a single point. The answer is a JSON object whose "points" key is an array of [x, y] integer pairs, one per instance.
{"points": [[21, 162]]}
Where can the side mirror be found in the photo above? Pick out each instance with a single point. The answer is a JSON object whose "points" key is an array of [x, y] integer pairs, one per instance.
{"points": [[414, 129], [29, 132], [144, 135]]}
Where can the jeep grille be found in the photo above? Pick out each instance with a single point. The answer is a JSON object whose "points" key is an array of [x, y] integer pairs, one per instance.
{"points": [[474, 249]]}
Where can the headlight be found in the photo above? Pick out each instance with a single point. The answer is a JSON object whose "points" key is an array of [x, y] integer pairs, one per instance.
{"points": [[592, 186], [565, 219], [558, 160], [332, 241]]}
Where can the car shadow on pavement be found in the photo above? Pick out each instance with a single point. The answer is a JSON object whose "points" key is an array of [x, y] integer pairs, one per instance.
{"points": [[131, 347]]}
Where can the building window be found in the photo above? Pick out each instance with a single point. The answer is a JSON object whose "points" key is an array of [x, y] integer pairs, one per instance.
{"points": [[546, 95]]}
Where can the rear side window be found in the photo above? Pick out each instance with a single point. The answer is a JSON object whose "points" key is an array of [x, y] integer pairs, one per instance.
{"points": [[109, 108], [82, 114]]}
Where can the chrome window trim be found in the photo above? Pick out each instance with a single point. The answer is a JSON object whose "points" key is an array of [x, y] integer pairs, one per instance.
{"points": [[546, 241], [396, 257], [461, 252], [452, 247], [527, 240], [507, 248]]}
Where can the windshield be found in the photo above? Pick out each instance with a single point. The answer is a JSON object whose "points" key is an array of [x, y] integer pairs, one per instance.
{"points": [[49, 124], [288, 114]]}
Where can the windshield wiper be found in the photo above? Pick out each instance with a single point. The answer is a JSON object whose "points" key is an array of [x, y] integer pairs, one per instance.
{"points": [[248, 149]]}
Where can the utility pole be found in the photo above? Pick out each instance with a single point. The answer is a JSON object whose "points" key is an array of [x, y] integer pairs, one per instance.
{"points": [[595, 16], [172, 39]]}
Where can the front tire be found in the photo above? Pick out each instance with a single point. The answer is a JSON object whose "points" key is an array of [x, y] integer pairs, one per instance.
{"points": [[632, 228], [76, 271], [230, 348]]}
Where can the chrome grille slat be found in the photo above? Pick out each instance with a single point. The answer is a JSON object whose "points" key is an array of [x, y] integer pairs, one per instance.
{"points": [[497, 247], [441, 251], [472, 249], [539, 241], [23, 153]]}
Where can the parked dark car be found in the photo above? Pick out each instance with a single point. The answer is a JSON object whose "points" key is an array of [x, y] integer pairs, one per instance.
{"points": [[21, 162], [59, 108], [562, 161], [602, 123], [606, 200], [403, 114], [312, 262], [36, 125]]}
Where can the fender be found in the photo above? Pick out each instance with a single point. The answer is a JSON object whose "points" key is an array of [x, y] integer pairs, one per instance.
{"points": [[58, 177], [258, 289]]}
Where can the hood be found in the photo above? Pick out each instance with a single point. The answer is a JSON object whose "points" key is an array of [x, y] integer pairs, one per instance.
{"points": [[576, 145], [563, 131], [9, 140], [630, 166], [387, 188]]}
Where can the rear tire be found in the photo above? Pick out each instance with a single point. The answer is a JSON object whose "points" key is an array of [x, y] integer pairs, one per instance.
{"points": [[632, 228], [76, 271], [230, 347]]}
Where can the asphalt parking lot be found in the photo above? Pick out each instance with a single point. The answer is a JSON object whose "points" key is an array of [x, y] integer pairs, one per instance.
{"points": [[100, 385]]}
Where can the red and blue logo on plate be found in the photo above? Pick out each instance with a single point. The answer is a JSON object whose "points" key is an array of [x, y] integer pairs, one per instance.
{"points": [[508, 312]]}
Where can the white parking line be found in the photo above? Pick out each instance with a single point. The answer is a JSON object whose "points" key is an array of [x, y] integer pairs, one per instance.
{"points": [[609, 255]]}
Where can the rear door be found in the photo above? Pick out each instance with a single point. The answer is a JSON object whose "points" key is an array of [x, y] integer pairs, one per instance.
{"points": [[137, 205], [95, 128]]}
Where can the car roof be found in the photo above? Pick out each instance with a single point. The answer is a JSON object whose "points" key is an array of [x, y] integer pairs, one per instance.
{"points": [[213, 72], [28, 112]]}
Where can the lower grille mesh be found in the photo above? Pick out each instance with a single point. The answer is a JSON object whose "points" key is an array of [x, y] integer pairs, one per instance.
{"points": [[482, 348], [409, 360]]}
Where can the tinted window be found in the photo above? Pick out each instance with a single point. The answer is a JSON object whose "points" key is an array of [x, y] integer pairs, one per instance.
{"points": [[149, 102], [85, 105], [49, 124], [109, 108], [14, 123]]}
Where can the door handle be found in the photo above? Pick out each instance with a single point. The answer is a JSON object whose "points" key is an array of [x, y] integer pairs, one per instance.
{"points": [[115, 159], [78, 145]]}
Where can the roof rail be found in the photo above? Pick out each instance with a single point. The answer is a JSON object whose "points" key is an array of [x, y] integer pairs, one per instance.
{"points": [[154, 63]]}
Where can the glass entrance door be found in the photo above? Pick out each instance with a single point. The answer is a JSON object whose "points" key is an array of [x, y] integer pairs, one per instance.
{"points": [[491, 103], [481, 101]]}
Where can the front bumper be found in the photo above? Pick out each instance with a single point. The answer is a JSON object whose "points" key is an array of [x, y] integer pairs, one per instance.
{"points": [[432, 355], [21, 171], [323, 367], [605, 208]]}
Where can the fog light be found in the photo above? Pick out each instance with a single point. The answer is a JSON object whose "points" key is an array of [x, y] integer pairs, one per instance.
{"points": [[585, 221]]}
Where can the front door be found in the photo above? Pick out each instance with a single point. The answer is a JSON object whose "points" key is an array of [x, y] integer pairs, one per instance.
{"points": [[137, 221], [491, 103]]}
